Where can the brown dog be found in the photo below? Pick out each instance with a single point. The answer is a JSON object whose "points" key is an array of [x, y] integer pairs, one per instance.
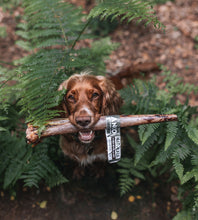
{"points": [[87, 98]]}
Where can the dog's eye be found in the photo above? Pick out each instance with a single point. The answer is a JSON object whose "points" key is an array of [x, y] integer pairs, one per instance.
{"points": [[95, 95], [71, 98]]}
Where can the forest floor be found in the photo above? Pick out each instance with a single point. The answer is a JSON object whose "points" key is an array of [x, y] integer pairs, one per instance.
{"points": [[89, 198]]}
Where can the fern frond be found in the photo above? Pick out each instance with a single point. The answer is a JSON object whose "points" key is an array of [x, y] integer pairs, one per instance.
{"points": [[128, 171], [194, 162], [13, 159], [54, 27], [20, 161], [178, 167], [141, 149], [142, 98], [187, 176], [132, 142], [49, 23], [172, 144], [125, 184], [182, 151], [52, 21], [40, 166], [175, 85], [2, 118], [171, 133], [163, 156], [192, 133], [127, 10], [184, 215], [145, 131]]}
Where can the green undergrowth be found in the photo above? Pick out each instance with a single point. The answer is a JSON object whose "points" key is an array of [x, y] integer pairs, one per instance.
{"points": [[53, 33]]}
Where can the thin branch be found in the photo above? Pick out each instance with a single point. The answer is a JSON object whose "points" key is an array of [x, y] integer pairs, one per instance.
{"points": [[63, 126]]}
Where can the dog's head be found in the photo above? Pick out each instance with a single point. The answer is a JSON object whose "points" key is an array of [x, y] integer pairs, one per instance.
{"points": [[87, 98]]}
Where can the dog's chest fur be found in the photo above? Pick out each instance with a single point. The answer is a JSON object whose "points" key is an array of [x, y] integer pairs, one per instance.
{"points": [[84, 153]]}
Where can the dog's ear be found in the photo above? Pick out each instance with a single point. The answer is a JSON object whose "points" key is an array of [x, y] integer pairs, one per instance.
{"points": [[63, 106], [63, 85], [111, 98]]}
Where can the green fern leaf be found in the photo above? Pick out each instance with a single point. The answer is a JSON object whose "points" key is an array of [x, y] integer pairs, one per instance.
{"points": [[192, 133], [141, 149], [171, 133], [128, 10], [40, 166], [184, 215], [54, 27], [2, 118], [178, 167], [13, 159], [181, 151], [125, 184], [163, 156], [187, 176], [128, 171], [145, 131]]}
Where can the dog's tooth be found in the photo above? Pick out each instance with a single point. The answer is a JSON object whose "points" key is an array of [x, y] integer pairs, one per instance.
{"points": [[86, 132]]}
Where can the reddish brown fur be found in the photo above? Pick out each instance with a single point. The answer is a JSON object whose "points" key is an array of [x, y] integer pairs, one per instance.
{"points": [[87, 98]]}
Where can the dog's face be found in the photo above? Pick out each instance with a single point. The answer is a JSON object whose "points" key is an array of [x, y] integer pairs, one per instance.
{"points": [[87, 98], [84, 103]]}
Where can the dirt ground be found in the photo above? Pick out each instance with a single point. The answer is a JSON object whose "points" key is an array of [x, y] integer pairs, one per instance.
{"points": [[175, 49], [89, 198]]}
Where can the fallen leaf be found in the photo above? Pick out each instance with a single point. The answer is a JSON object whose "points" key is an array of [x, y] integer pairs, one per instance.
{"points": [[48, 188], [139, 197], [114, 215], [12, 198], [168, 203], [131, 198], [43, 204], [177, 210], [2, 194]]}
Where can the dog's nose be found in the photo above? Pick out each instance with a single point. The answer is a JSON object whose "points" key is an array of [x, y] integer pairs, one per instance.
{"points": [[83, 121]]}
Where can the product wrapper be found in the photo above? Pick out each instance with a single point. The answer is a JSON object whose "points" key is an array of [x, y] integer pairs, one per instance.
{"points": [[113, 138]]}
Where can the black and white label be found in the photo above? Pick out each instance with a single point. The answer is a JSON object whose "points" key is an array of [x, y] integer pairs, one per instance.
{"points": [[113, 138]]}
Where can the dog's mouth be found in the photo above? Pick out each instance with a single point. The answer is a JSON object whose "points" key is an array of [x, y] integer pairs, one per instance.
{"points": [[86, 136]]}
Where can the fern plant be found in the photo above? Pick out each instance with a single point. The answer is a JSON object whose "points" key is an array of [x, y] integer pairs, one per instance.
{"points": [[163, 145], [50, 31], [20, 161], [10, 4], [126, 10]]}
